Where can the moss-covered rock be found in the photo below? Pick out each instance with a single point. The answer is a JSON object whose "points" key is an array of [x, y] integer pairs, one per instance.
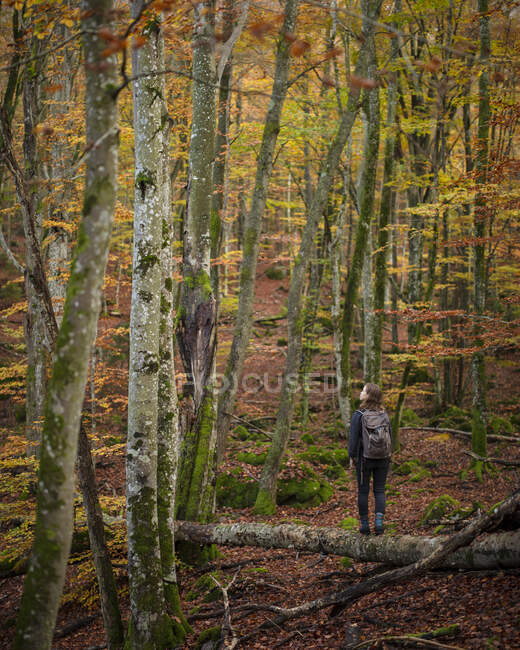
{"points": [[409, 418], [498, 425], [326, 459], [275, 272], [408, 467], [241, 432], [439, 507], [205, 586], [251, 458], [211, 635], [306, 489], [307, 439], [453, 418], [420, 475]]}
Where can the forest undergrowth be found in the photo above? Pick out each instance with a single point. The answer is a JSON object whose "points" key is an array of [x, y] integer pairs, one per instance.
{"points": [[426, 495]]}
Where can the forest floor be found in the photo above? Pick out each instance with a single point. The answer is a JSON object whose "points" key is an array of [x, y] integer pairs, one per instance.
{"points": [[484, 604]]}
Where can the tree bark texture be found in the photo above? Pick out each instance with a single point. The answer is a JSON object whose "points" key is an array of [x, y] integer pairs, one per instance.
{"points": [[385, 214], [150, 626], [197, 317], [498, 550], [168, 434], [266, 498], [101, 558], [54, 518], [478, 368], [366, 202], [253, 227]]}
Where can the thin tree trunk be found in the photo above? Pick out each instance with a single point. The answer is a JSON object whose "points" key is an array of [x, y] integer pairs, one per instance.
{"points": [[197, 320], [336, 247], [252, 229], [266, 498], [366, 205], [149, 624], [53, 530], [478, 368], [107, 586], [168, 433], [385, 215]]}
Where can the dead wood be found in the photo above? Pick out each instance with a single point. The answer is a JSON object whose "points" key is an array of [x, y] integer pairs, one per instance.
{"points": [[497, 550], [464, 434], [497, 461], [229, 638], [341, 599], [71, 627]]}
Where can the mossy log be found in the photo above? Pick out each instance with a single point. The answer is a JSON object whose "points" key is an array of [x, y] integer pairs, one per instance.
{"points": [[499, 550]]}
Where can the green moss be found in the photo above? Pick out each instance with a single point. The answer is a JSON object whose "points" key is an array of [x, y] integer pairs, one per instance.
{"points": [[214, 229], [346, 562], [211, 634], [500, 425], [281, 342], [422, 474], [307, 439], [241, 432], [205, 586], [439, 507], [264, 504], [251, 458], [349, 523], [145, 179], [406, 468], [275, 273], [235, 493], [410, 418]]}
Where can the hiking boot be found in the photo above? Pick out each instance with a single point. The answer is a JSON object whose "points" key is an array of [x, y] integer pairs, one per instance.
{"points": [[379, 529], [364, 529]]}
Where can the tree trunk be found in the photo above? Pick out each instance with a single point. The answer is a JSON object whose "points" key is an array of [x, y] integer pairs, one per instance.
{"points": [[499, 550], [366, 205], [266, 498], [168, 433], [53, 530], [197, 318], [150, 626], [385, 215], [336, 246], [252, 229], [100, 556], [478, 368]]}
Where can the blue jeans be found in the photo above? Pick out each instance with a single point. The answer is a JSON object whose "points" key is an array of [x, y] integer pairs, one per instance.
{"points": [[364, 470]]}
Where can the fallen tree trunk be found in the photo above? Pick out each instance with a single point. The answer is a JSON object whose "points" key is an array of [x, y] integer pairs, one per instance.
{"points": [[499, 550], [464, 434]]}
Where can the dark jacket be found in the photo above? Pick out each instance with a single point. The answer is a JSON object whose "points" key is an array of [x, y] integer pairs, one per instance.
{"points": [[355, 441]]}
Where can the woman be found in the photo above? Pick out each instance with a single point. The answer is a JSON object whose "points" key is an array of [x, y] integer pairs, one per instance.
{"points": [[369, 462]]}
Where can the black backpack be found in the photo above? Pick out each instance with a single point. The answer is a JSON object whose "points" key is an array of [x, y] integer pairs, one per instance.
{"points": [[375, 428]]}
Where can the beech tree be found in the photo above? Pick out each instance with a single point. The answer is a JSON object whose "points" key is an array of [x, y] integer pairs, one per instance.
{"points": [[53, 529], [150, 625]]}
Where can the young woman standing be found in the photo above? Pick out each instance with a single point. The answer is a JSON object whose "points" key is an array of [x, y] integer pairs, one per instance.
{"points": [[369, 449]]}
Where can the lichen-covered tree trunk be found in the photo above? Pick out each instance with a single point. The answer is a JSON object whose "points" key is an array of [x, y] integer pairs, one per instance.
{"points": [[266, 498], [337, 242], [253, 227], [498, 550], [366, 206], [36, 325], [168, 435], [478, 368], [385, 213], [53, 529], [150, 626], [312, 302], [197, 323]]}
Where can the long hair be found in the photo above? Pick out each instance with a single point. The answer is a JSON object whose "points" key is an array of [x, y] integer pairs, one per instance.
{"points": [[374, 400]]}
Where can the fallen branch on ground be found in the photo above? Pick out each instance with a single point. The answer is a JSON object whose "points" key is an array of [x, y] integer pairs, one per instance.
{"points": [[340, 600], [498, 461], [466, 434]]}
